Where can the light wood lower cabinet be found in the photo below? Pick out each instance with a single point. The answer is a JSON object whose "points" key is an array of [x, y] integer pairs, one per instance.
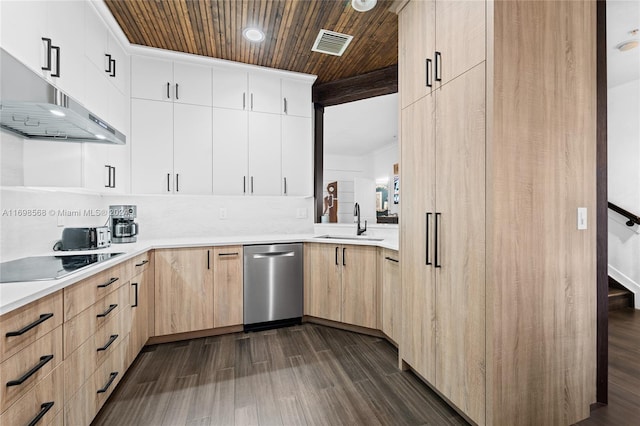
{"points": [[141, 300], [340, 283], [391, 294], [228, 286]]}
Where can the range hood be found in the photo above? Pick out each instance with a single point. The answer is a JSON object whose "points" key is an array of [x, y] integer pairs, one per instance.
{"points": [[33, 108]]}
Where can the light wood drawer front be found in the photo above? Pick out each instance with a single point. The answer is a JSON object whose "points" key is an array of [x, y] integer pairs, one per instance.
{"points": [[39, 359], [83, 326], [84, 361], [38, 402], [42, 316], [80, 296], [140, 264], [83, 406]]}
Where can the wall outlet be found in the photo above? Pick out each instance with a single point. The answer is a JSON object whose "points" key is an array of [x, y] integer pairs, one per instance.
{"points": [[301, 213], [582, 218], [223, 213]]}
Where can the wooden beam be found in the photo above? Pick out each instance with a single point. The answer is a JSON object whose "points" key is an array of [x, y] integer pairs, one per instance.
{"points": [[383, 81]]}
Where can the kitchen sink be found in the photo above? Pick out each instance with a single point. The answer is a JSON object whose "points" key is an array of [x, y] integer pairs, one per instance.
{"points": [[349, 237]]}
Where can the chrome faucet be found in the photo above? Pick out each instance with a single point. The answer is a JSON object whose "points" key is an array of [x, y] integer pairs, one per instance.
{"points": [[356, 214]]}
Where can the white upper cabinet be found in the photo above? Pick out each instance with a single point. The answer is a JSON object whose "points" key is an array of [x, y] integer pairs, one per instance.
{"points": [[265, 161], [264, 93], [297, 156], [24, 23], [96, 38], [192, 147], [296, 98], [117, 65], [230, 151], [160, 80], [230, 88]]}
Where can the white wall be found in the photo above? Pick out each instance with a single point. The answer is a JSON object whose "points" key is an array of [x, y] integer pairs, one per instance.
{"points": [[11, 160], [624, 182], [160, 216], [382, 162], [344, 169]]}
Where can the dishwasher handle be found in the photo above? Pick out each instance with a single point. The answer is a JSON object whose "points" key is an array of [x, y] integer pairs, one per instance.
{"points": [[274, 254]]}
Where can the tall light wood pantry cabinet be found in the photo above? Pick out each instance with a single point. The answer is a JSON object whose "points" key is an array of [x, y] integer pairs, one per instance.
{"points": [[497, 154]]}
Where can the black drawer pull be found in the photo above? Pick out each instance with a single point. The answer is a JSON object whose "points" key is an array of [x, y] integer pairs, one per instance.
{"points": [[111, 340], [392, 259], [57, 73], [43, 360], [228, 254], [44, 409], [26, 328], [135, 304], [144, 262], [112, 377], [47, 67], [108, 311], [108, 283]]}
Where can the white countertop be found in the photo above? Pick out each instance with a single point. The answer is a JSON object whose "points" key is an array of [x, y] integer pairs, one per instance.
{"points": [[18, 294]]}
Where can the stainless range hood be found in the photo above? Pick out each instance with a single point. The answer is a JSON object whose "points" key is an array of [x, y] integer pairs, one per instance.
{"points": [[33, 108]]}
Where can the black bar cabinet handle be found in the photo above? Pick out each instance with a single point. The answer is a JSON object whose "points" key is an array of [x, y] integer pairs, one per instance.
{"points": [[44, 409], [113, 70], [57, 49], [228, 254], [392, 259], [43, 360], [168, 86], [108, 185], [344, 263], [285, 186], [427, 240], [113, 181], [177, 97], [110, 61], [135, 304], [336, 255], [108, 311], [438, 67], [108, 283], [252, 102], [177, 180], [109, 342], [112, 377], [244, 100], [436, 260], [285, 105], [244, 184], [168, 182], [428, 67], [252, 184], [34, 324], [144, 262], [208, 259], [47, 67]]}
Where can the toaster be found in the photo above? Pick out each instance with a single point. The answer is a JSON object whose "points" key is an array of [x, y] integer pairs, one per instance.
{"points": [[85, 238]]}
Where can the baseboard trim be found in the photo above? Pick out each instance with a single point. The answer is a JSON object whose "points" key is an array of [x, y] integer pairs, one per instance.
{"points": [[169, 338], [627, 283], [344, 326]]}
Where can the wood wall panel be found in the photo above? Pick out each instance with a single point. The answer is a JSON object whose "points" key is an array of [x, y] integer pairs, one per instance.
{"points": [[214, 28]]}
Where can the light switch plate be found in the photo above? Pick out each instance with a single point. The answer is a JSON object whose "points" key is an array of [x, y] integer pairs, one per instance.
{"points": [[582, 218], [223, 213]]}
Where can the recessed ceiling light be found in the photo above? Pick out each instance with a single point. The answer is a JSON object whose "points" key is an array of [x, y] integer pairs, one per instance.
{"points": [[57, 112], [253, 34], [627, 45], [363, 5]]}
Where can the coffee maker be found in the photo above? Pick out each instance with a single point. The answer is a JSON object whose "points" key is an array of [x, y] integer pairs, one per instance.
{"points": [[123, 227]]}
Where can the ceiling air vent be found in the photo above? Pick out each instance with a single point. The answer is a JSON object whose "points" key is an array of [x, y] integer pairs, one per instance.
{"points": [[331, 43]]}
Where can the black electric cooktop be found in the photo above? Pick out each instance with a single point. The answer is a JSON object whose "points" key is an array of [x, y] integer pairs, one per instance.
{"points": [[44, 268]]}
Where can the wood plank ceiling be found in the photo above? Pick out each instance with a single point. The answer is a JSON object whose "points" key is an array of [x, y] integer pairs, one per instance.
{"points": [[214, 28]]}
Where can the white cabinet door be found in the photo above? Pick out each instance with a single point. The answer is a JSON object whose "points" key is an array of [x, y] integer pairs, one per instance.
{"points": [[264, 91], [97, 90], [151, 79], [264, 154], [23, 24], [95, 162], [96, 37], [151, 147], [57, 164], [192, 149], [120, 69], [230, 89], [230, 151], [296, 96], [297, 156], [65, 26], [119, 106], [192, 84]]}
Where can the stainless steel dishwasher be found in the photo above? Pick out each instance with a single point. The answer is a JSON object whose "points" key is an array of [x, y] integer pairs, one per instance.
{"points": [[273, 282]]}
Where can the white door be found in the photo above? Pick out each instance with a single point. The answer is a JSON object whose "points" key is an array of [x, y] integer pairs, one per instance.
{"points": [[95, 38], [95, 166], [230, 89], [151, 147], [23, 24], [192, 84], [264, 90], [230, 152], [296, 96], [264, 154], [57, 164], [297, 156], [192, 149], [120, 69], [151, 79]]}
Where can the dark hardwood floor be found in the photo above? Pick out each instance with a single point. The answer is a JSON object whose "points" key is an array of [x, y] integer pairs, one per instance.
{"points": [[303, 375], [624, 372]]}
